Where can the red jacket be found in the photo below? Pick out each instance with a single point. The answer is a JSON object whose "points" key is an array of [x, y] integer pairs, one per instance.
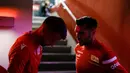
{"points": [[2, 69], [97, 59], [24, 55]]}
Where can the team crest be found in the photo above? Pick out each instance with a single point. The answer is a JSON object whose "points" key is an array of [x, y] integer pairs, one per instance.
{"points": [[94, 59]]}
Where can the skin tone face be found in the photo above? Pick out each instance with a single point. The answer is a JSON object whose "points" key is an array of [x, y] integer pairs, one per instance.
{"points": [[84, 36]]}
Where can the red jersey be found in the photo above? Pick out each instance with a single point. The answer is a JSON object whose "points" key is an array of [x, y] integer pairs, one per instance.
{"points": [[97, 59], [24, 55], [2, 69]]}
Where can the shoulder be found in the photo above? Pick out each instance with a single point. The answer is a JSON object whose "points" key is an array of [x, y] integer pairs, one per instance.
{"points": [[106, 51], [2, 69], [25, 36], [20, 46], [20, 42], [25, 39], [103, 48], [108, 54]]}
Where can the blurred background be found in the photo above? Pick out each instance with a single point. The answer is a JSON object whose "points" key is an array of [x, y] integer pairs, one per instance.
{"points": [[113, 19]]}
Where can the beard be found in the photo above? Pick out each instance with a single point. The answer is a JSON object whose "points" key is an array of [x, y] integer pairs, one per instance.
{"points": [[85, 42], [88, 42]]}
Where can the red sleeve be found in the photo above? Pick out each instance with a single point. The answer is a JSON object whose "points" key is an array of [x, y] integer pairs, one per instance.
{"points": [[111, 63], [18, 57], [2, 69]]}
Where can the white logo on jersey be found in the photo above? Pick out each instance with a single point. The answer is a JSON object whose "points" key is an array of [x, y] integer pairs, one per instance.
{"points": [[22, 46], [80, 52], [115, 65], [78, 55]]}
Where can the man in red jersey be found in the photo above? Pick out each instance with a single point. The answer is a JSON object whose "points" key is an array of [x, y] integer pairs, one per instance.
{"points": [[2, 69], [26, 52], [91, 55]]}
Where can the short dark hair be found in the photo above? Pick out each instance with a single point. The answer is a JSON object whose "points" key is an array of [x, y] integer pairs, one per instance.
{"points": [[56, 24], [88, 21]]}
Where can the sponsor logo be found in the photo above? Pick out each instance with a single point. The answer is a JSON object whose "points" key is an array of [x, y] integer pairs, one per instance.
{"points": [[22, 46]]}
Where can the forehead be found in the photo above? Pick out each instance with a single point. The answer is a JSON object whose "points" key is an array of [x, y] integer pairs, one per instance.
{"points": [[79, 28]]}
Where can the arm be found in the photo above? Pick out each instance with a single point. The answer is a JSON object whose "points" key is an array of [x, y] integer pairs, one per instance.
{"points": [[2, 69], [18, 57], [112, 64]]}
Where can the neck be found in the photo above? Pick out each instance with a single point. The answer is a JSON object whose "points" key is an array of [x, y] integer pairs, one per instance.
{"points": [[36, 36], [91, 44]]}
